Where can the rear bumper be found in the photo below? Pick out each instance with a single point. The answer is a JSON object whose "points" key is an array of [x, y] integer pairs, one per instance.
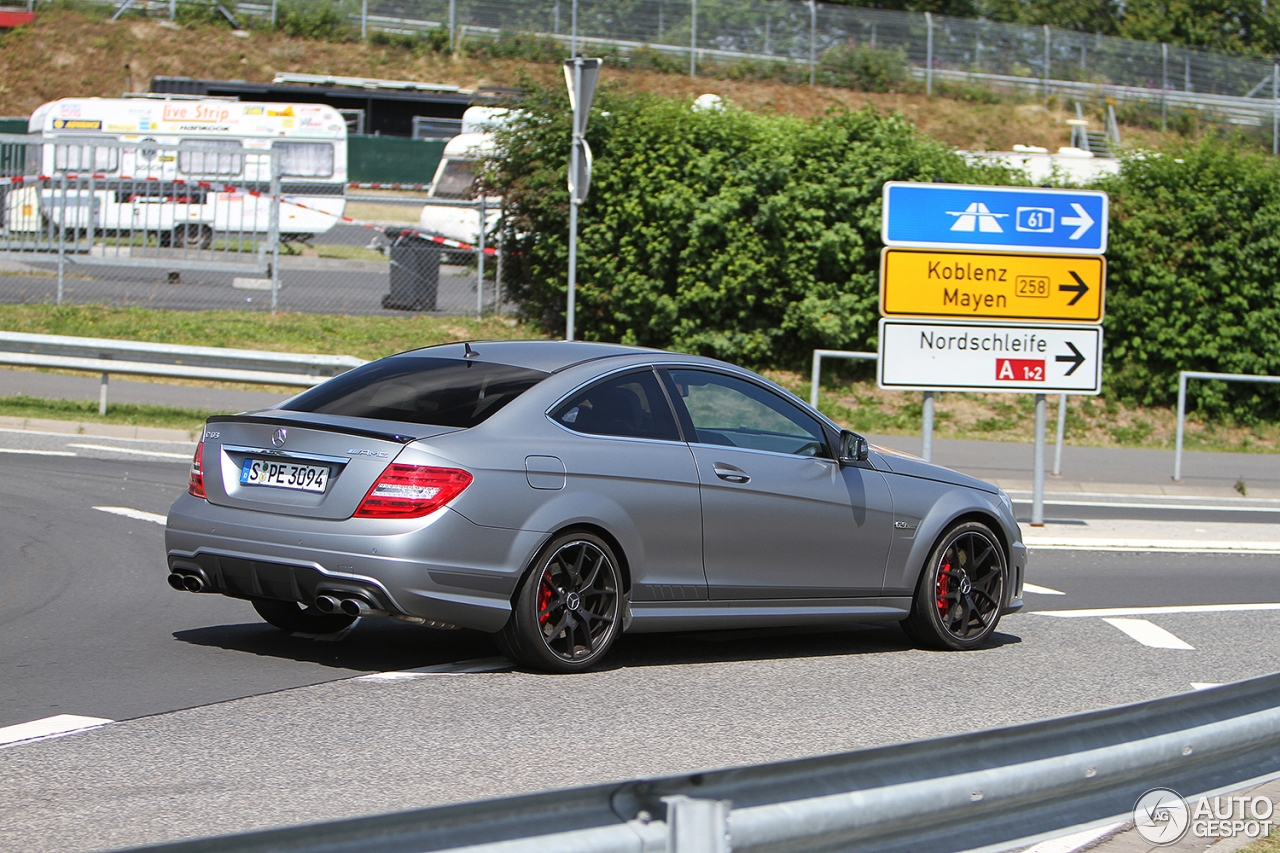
{"points": [[441, 569]]}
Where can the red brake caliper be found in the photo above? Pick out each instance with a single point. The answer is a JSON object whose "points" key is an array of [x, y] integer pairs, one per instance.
{"points": [[545, 594], [944, 586]]}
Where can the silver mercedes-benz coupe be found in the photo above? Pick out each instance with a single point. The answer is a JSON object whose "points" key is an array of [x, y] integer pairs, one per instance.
{"points": [[556, 494]]}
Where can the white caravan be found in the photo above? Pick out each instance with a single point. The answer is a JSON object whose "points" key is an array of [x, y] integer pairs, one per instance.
{"points": [[455, 179], [105, 162]]}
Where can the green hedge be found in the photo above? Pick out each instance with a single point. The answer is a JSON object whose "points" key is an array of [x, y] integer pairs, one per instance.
{"points": [[756, 238], [743, 236], [1194, 277]]}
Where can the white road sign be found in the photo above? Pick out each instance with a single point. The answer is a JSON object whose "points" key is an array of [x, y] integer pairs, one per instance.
{"points": [[953, 356]]}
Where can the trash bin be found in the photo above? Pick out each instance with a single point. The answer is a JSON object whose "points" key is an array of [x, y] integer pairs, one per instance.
{"points": [[415, 272]]}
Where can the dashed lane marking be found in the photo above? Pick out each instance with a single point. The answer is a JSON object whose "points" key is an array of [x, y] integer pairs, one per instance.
{"points": [[1149, 611], [137, 514], [1205, 685], [1149, 634], [185, 457], [1040, 590], [62, 724], [37, 452]]}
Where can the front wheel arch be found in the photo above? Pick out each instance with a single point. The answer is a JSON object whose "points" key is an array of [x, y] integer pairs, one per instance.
{"points": [[962, 587]]}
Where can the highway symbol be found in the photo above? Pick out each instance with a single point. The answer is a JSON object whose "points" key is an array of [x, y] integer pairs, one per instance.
{"points": [[978, 214], [953, 216], [992, 286], [923, 355]]}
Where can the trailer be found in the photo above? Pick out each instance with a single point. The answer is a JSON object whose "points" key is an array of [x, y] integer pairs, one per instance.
{"points": [[182, 170]]}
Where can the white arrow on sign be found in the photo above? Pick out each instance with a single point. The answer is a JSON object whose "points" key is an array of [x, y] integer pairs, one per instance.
{"points": [[1082, 218]]}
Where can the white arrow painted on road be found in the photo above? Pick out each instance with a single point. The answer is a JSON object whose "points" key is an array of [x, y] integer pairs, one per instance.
{"points": [[1083, 219]]}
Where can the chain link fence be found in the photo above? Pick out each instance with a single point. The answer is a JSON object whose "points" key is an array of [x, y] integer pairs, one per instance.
{"points": [[837, 45], [212, 226]]}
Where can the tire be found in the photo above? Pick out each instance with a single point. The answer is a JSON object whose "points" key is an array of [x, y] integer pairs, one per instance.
{"points": [[961, 591], [569, 609], [291, 616], [192, 237]]}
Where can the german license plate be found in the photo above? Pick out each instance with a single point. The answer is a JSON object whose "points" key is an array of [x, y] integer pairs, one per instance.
{"points": [[284, 475]]}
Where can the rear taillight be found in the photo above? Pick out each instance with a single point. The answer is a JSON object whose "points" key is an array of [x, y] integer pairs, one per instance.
{"points": [[196, 484], [412, 491]]}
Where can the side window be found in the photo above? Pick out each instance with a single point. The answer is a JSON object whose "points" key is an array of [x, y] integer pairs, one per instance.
{"points": [[211, 163], [306, 159], [731, 411], [85, 158], [631, 405]]}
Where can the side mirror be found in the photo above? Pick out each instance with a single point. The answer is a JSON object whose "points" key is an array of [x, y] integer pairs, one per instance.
{"points": [[853, 448]]}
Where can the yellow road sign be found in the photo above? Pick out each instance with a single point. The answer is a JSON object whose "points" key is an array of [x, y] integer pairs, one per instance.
{"points": [[992, 286]]}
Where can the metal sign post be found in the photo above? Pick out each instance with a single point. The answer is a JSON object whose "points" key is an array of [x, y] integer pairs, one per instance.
{"points": [[581, 75]]}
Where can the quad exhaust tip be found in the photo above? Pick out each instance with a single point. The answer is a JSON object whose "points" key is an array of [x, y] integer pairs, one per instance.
{"points": [[351, 606], [186, 582]]}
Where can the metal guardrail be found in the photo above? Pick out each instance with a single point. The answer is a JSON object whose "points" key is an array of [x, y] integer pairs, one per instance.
{"points": [[105, 356], [1183, 376], [967, 792]]}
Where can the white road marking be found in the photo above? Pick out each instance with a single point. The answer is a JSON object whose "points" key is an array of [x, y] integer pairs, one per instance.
{"points": [[37, 452], [1074, 841], [137, 514], [463, 667], [1147, 611], [1205, 685], [62, 724], [186, 457], [1055, 543], [1149, 634], [1146, 505], [1040, 590]]}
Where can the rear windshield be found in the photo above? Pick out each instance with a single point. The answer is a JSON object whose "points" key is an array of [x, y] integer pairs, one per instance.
{"points": [[419, 390]]}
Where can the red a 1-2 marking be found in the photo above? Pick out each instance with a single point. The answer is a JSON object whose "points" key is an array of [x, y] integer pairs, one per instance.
{"points": [[1020, 369]]}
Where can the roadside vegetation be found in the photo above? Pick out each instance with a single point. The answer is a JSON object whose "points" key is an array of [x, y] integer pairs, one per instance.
{"points": [[750, 233], [848, 392]]}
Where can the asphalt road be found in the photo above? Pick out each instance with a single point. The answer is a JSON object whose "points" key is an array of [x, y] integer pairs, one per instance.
{"points": [[224, 724], [314, 285]]}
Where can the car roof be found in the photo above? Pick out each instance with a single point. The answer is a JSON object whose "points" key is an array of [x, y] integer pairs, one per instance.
{"points": [[547, 356]]}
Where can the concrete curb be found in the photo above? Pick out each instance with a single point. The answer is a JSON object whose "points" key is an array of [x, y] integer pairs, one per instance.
{"points": [[137, 433]]}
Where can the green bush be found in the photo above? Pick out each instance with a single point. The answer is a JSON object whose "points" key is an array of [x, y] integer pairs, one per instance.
{"points": [[1194, 277], [509, 45], [323, 20], [744, 236], [868, 69]]}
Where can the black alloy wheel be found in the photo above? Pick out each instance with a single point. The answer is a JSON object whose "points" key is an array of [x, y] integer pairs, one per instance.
{"points": [[961, 590], [293, 617], [569, 609]]}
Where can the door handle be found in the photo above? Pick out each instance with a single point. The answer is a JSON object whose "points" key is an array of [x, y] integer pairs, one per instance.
{"points": [[731, 474]]}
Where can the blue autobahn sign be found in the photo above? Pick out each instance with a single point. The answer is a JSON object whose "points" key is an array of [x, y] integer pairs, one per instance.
{"points": [[1020, 219]]}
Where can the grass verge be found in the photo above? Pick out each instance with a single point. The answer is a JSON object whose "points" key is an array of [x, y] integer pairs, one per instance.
{"points": [[850, 399], [86, 411]]}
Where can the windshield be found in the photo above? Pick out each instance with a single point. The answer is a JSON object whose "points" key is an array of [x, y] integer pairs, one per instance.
{"points": [[419, 390], [456, 180]]}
